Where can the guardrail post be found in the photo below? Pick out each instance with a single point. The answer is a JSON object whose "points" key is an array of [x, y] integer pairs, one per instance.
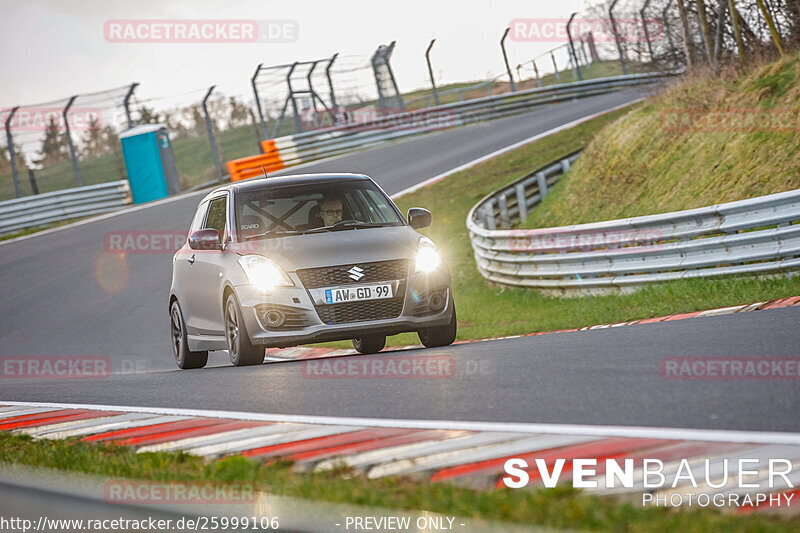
{"points": [[210, 129], [555, 66], [430, 72], [127, 104], [12, 153], [72, 152], [522, 202], [616, 37], [258, 103], [503, 205], [505, 58], [488, 215], [572, 47], [32, 179], [565, 164], [541, 180]]}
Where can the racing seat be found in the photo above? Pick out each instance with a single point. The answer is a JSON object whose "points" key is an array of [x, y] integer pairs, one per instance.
{"points": [[314, 219]]}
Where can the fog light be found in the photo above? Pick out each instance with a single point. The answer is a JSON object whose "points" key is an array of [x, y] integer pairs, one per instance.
{"points": [[274, 318], [436, 301]]}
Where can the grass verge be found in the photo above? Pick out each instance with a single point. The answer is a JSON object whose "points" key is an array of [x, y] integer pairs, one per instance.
{"points": [[560, 507], [489, 311]]}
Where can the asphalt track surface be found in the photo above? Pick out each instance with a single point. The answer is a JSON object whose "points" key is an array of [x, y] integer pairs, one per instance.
{"points": [[58, 300]]}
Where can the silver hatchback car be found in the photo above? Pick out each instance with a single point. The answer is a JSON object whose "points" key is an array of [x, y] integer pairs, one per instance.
{"points": [[279, 262]]}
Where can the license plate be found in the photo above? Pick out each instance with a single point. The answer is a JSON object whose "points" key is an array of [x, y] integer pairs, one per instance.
{"points": [[357, 294]]}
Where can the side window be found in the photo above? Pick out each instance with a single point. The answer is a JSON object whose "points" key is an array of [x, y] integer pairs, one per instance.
{"points": [[217, 215], [199, 217]]}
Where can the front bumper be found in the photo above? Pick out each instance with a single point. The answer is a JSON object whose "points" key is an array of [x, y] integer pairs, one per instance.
{"points": [[303, 324]]}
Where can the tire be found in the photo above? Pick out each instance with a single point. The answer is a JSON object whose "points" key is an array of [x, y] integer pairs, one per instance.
{"points": [[241, 350], [369, 344], [441, 335], [180, 346]]}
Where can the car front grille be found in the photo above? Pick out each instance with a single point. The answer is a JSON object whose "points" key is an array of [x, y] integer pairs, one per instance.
{"points": [[360, 311], [313, 278]]}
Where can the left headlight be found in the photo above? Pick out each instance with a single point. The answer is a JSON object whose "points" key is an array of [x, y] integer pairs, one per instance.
{"points": [[264, 273], [428, 258]]}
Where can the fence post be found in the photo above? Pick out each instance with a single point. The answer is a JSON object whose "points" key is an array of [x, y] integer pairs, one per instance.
{"points": [[505, 58], [646, 30], [72, 153], [572, 47], [330, 83], [536, 71], [430, 72], [127, 103], [258, 103], [11, 153], [210, 129], [616, 36]]}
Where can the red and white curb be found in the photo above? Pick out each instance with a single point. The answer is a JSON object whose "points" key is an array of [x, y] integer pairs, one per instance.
{"points": [[467, 453], [305, 352]]}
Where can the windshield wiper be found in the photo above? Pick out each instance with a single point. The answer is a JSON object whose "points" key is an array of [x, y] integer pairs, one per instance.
{"points": [[272, 233], [347, 224]]}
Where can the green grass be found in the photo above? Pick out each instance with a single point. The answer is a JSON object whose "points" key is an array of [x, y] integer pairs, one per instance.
{"points": [[639, 167], [561, 507], [491, 311]]}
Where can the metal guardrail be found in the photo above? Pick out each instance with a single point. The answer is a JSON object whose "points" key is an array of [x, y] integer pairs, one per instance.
{"points": [[43, 209], [327, 142], [756, 236]]}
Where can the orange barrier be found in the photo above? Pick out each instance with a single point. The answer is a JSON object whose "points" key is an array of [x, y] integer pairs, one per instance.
{"points": [[256, 165]]}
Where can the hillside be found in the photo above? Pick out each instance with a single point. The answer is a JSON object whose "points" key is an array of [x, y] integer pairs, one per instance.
{"points": [[701, 141]]}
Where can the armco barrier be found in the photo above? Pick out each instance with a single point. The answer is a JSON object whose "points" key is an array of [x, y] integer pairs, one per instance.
{"points": [[327, 142], [756, 236], [66, 204]]}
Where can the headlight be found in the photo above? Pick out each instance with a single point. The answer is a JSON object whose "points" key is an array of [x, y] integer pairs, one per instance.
{"points": [[428, 259], [264, 273]]}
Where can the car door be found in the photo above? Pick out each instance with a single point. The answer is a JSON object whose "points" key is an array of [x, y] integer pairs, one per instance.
{"points": [[185, 280], [207, 270]]}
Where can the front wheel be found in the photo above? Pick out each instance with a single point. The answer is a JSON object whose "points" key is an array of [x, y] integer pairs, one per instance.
{"points": [[369, 344], [180, 346], [441, 335], [240, 349]]}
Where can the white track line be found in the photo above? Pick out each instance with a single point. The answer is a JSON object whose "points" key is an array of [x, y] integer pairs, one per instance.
{"points": [[710, 435], [501, 151]]}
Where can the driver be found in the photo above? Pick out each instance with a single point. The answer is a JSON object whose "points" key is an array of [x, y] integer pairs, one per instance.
{"points": [[331, 211]]}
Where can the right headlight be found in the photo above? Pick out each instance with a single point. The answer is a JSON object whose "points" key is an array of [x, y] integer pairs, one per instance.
{"points": [[428, 258], [264, 273]]}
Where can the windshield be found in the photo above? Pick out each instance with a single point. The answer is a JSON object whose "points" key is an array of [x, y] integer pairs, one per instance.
{"points": [[322, 206]]}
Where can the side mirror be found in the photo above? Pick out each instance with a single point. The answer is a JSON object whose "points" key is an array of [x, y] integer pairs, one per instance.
{"points": [[205, 239], [419, 218]]}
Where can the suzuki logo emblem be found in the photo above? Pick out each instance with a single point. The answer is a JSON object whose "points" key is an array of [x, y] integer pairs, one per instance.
{"points": [[356, 273]]}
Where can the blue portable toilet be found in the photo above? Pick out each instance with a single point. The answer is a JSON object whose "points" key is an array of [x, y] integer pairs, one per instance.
{"points": [[150, 162]]}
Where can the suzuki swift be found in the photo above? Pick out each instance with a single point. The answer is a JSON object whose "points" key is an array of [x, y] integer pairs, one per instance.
{"points": [[279, 262]]}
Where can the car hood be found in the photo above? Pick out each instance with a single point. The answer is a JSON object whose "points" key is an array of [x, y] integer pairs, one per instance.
{"points": [[335, 247]]}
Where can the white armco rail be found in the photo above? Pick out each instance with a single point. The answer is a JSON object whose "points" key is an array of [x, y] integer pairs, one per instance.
{"points": [[756, 236], [43, 209]]}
